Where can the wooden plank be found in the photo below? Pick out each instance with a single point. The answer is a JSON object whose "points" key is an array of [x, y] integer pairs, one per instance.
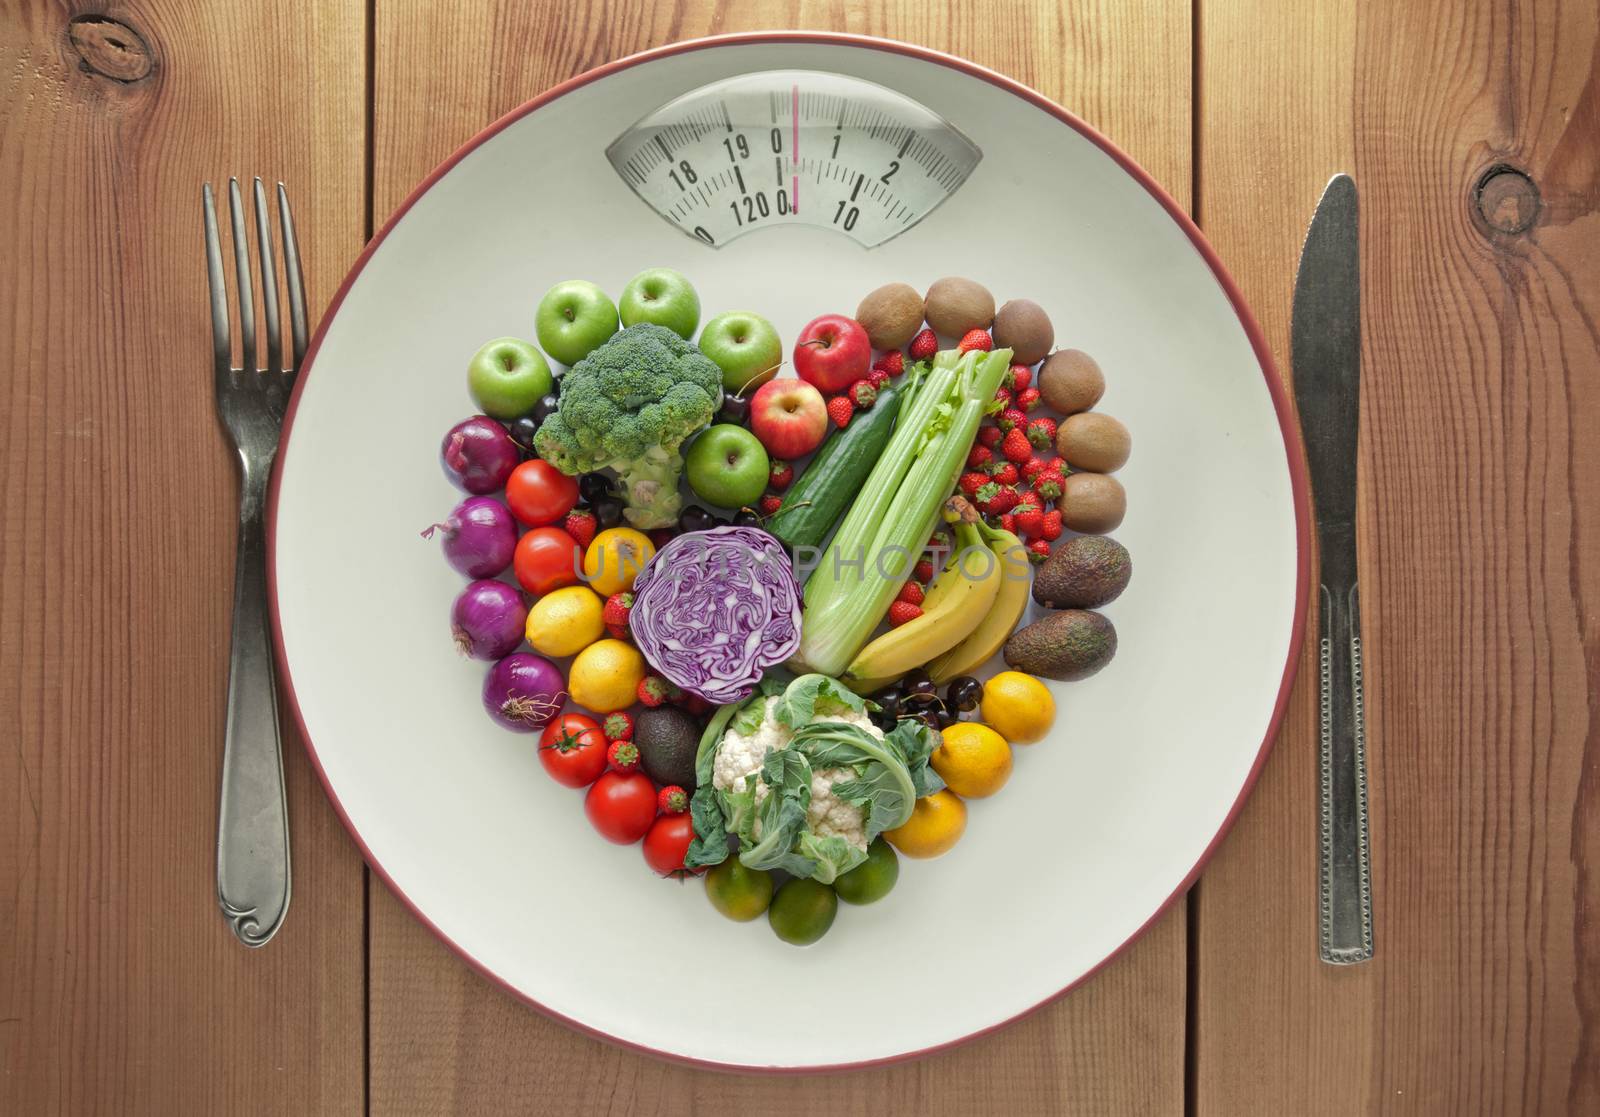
{"points": [[444, 1041], [121, 989], [1480, 520]]}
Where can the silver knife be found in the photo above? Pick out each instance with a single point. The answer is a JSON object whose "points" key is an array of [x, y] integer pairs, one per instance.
{"points": [[1326, 350]]}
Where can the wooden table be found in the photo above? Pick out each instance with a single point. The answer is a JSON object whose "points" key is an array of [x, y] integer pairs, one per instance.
{"points": [[120, 990]]}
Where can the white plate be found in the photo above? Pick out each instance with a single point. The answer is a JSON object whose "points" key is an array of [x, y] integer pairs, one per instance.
{"points": [[1101, 826]]}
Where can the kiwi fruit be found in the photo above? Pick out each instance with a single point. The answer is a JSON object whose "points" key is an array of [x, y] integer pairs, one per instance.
{"points": [[1084, 572], [955, 305], [668, 739], [1092, 503], [1070, 381], [891, 315], [1094, 442], [1071, 644], [1023, 327]]}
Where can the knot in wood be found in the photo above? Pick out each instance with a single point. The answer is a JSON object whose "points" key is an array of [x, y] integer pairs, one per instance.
{"points": [[1506, 199], [110, 48]]}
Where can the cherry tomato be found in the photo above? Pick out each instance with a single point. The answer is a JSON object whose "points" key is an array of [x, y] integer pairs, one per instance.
{"points": [[621, 805], [573, 750], [667, 842], [546, 559], [538, 493]]}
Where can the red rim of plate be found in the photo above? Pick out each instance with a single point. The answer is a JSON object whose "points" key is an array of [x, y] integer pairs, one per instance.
{"points": [[1280, 402]]}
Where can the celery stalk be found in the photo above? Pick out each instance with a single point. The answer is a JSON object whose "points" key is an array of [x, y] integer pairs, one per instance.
{"points": [[897, 508]]}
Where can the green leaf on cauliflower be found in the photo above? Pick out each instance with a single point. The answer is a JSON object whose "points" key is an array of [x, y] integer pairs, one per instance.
{"points": [[882, 785], [782, 815], [832, 855], [916, 743], [814, 696], [710, 845]]}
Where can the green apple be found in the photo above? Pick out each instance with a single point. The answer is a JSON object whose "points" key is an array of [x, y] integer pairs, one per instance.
{"points": [[745, 347], [574, 317], [662, 296], [507, 377], [727, 466]]}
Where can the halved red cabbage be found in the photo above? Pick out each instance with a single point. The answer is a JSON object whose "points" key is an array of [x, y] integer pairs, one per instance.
{"points": [[714, 609]]}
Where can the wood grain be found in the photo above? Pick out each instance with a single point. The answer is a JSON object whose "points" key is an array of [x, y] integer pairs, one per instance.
{"points": [[1479, 525], [121, 990], [444, 1041]]}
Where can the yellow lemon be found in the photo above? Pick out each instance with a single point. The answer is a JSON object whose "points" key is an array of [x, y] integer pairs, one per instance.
{"points": [[974, 760], [936, 824], [565, 621], [1018, 707], [605, 676], [615, 558]]}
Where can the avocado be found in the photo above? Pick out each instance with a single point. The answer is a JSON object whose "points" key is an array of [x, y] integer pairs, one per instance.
{"points": [[1083, 573], [1071, 644], [668, 739]]}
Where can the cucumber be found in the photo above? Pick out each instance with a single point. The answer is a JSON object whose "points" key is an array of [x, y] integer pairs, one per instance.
{"points": [[819, 496]]}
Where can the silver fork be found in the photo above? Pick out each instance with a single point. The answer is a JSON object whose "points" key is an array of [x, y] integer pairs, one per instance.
{"points": [[253, 822]]}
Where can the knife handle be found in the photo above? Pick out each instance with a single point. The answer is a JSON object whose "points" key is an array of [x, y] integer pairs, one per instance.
{"points": [[1346, 877]]}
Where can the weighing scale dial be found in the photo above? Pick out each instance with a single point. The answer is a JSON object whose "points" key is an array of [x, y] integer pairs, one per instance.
{"points": [[785, 147]]}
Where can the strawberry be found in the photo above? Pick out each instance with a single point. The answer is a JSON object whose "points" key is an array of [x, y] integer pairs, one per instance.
{"points": [[894, 361], [1018, 377], [672, 799], [839, 410], [1031, 469], [975, 339], [1028, 398], [581, 525], [972, 482], [770, 503], [877, 377], [1049, 484], [623, 756], [989, 437], [1008, 522], [1009, 418], [911, 593], [1038, 551], [781, 475], [661, 536], [615, 616], [995, 500], [1057, 463], [1005, 473], [1002, 396], [1029, 520], [923, 571], [924, 345], [980, 457], [654, 691], [1042, 432], [862, 394], [902, 611], [1016, 446], [1050, 526], [618, 726]]}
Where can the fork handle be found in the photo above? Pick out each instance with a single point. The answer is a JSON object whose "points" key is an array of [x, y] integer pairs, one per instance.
{"points": [[253, 820]]}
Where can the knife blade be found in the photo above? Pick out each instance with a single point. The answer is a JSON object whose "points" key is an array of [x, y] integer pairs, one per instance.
{"points": [[1325, 347]]}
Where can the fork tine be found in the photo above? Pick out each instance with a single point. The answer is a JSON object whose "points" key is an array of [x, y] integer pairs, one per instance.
{"points": [[269, 283], [221, 342], [296, 282], [241, 265]]}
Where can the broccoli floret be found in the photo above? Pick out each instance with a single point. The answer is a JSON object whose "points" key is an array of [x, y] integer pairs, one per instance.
{"points": [[628, 406]]}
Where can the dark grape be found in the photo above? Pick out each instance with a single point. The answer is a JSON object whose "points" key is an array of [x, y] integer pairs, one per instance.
{"points": [[608, 512], [747, 517], [964, 693], [594, 486], [543, 409], [930, 718], [695, 518], [735, 409], [944, 719], [889, 700], [917, 683], [523, 430]]}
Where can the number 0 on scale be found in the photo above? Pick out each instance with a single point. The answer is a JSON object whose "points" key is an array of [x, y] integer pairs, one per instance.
{"points": [[793, 146]]}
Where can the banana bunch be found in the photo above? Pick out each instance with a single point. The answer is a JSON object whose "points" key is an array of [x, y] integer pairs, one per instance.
{"points": [[978, 594]]}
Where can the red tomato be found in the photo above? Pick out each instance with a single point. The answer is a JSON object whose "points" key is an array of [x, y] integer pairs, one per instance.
{"points": [[667, 842], [546, 559], [573, 750], [621, 805], [538, 493]]}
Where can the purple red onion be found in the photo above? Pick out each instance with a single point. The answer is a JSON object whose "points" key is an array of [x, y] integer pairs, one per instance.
{"points": [[488, 619], [478, 455], [524, 691], [480, 537]]}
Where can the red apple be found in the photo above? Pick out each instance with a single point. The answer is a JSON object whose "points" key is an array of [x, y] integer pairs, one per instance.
{"points": [[833, 353], [789, 417]]}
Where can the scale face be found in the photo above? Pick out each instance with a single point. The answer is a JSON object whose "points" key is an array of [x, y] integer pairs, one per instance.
{"points": [[793, 147]]}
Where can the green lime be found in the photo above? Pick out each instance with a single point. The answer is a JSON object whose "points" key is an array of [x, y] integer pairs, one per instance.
{"points": [[871, 880], [802, 911], [738, 892]]}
